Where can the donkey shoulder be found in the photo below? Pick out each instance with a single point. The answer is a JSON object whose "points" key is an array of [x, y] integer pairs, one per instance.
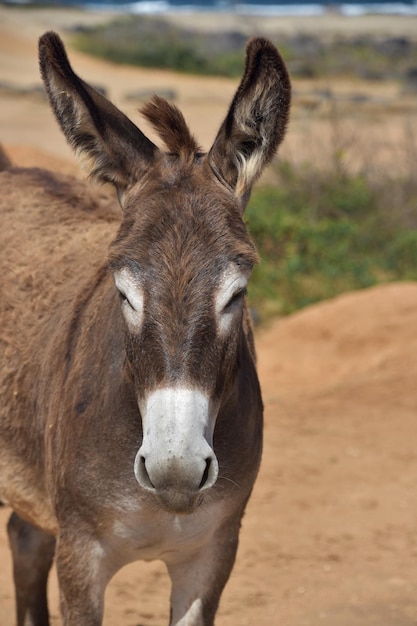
{"points": [[54, 232]]}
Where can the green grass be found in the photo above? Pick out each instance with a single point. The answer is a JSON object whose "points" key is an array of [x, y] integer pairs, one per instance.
{"points": [[154, 42], [320, 234]]}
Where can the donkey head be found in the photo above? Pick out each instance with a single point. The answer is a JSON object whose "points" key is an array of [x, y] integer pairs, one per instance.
{"points": [[182, 258]]}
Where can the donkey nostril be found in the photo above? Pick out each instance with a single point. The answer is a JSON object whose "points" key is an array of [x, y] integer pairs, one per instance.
{"points": [[206, 474], [143, 474]]}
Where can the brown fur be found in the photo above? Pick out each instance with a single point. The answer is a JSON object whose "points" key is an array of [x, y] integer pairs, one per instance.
{"points": [[170, 124], [72, 371]]}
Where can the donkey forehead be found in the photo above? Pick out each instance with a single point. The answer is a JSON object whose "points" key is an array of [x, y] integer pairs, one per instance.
{"points": [[176, 186], [187, 223]]}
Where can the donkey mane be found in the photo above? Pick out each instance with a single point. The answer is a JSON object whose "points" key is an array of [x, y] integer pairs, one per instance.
{"points": [[169, 123]]}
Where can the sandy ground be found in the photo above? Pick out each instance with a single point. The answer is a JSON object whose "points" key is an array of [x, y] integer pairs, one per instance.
{"points": [[330, 535]]}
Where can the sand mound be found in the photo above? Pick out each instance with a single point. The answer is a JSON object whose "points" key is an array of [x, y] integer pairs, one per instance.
{"points": [[370, 333]]}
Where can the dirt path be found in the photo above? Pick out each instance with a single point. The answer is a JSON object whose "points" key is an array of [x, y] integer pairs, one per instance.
{"points": [[330, 535]]}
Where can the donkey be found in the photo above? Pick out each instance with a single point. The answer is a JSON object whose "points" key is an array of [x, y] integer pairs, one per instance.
{"points": [[131, 413]]}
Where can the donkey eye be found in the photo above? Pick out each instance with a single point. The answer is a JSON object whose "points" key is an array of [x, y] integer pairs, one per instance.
{"points": [[235, 300], [131, 297], [125, 300], [123, 297]]}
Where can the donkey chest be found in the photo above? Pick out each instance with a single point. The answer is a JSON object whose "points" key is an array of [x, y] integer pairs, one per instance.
{"points": [[158, 535]]}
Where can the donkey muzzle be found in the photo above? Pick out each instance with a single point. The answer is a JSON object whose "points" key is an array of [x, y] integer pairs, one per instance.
{"points": [[176, 461]]}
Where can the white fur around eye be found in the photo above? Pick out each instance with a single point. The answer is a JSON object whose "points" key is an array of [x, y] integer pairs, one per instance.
{"points": [[232, 284], [132, 297]]}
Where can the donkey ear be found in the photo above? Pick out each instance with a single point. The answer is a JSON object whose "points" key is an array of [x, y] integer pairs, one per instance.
{"points": [[114, 149], [256, 122]]}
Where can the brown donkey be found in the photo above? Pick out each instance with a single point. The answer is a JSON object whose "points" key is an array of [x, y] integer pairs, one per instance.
{"points": [[131, 415]]}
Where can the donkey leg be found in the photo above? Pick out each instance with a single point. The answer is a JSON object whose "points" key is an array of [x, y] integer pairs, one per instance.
{"points": [[198, 581], [33, 552], [84, 569]]}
